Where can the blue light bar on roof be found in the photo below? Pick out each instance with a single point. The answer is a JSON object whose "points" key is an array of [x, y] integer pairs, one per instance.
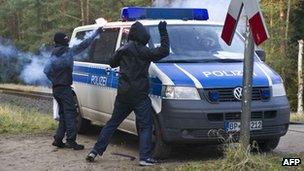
{"points": [[137, 13]]}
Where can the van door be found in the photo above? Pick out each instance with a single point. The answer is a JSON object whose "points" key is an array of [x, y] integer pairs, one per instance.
{"points": [[102, 91], [81, 71], [124, 40]]}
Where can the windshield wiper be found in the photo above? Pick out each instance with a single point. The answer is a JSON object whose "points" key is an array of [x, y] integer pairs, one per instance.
{"points": [[176, 61], [202, 61], [222, 60]]}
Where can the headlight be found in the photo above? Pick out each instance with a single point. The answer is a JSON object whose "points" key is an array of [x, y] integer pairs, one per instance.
{"points": [[186, 93], [278, 90]]}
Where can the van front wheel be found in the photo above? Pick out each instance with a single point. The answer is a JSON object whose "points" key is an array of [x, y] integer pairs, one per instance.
{"points": [[268, 145], [160, 150]]}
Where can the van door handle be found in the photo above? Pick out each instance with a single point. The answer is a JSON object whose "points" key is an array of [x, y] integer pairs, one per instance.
{"points": [[108, 71]]}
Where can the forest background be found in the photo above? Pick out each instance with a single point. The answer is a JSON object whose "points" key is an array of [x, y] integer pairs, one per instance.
{"points": [[29, 24]]}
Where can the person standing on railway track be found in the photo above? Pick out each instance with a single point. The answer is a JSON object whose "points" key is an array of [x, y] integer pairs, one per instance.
{"points": [[134, 60], [59, 69]]}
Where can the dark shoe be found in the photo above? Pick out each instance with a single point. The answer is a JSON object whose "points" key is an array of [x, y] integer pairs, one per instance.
{"points": [[91, 157], [58, 144], [148, 162], [74, 146]]}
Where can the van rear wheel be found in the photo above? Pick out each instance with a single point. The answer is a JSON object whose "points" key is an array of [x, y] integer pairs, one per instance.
{"points": [[160, 150], [83, 125]]}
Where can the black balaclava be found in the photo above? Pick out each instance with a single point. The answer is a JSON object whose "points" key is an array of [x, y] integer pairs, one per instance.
{"points": [[139, 33], [61, 39]]}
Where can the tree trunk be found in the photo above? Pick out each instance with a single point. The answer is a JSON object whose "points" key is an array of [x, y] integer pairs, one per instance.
{"points": [[300, 79], [282, 26], [82, 12], [87, 11], [287, 21]]}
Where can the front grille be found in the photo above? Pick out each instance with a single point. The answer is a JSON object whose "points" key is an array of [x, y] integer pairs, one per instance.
{"points": [[229, 116], [227, 95], [237, 115]]}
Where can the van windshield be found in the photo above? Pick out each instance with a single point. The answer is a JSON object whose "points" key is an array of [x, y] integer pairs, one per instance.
{"points": [[198, 43]]}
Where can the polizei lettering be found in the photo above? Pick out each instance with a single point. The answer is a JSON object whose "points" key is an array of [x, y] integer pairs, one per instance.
{"points": [[224, 73], [99, 80]]}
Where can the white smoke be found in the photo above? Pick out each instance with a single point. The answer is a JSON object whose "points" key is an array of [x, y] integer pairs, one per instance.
{"points": [[7, 50], [28, 65], [33, 72], [217, 8]]}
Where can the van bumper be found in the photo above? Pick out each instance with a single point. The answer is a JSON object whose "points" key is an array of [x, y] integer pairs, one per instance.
{"points": [[192, 121]]}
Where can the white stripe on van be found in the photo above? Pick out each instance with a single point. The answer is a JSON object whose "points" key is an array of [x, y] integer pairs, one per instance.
{"points": [[268, 77], [196, 82], [156, 72]]}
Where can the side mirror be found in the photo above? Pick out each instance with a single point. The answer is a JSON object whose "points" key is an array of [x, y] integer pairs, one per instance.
{"points": [[261, 54]]}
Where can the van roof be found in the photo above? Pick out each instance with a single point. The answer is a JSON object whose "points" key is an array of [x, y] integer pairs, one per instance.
{"points": [[148, 23]]}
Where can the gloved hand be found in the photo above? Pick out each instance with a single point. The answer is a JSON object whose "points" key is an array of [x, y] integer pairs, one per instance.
{"points": [[162, 25], [99, 30]]}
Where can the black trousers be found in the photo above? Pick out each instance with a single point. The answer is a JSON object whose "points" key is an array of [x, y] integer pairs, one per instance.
{"points": [[67, 113], [143, 112]]}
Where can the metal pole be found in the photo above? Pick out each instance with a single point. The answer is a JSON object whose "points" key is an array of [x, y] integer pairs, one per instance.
{"points": [[247, 87], [300, 78]]}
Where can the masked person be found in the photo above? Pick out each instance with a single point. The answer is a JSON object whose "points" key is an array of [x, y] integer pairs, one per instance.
{"points": [[134, 59], [59, 69]]}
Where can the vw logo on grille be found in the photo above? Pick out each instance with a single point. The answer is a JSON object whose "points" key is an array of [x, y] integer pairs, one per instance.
{"points": [[237, 92]]}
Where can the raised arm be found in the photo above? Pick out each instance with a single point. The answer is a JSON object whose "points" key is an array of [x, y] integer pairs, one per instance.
{"points": [[164, 50], [84, 44]]}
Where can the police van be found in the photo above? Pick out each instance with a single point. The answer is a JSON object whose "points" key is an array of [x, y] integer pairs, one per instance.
{"points": [[196, 91]]}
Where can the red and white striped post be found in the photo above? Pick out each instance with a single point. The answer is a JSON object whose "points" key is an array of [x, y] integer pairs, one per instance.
{"points": [[256, 32], [256, 21], [232, 18]]}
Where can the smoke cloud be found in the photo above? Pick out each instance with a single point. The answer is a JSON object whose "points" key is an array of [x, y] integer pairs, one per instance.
{"points": [[17, 65], [217, 8], [27, 67]]}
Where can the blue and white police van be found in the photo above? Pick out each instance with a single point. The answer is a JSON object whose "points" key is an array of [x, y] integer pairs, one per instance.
{"points": [[196, 91]]}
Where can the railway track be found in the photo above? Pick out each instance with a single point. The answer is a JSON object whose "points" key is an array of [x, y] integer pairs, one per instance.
{"points": [[26, 93]]}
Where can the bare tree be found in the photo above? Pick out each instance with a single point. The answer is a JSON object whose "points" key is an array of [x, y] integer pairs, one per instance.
{"points": [[300, 79], [87, 12], [82, 12]]}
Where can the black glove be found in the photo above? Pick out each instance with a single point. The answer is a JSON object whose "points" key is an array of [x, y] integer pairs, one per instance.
{"points": [[162, 26], [99, 30]]}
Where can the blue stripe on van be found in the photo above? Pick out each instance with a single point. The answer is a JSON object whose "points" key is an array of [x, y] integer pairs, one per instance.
{"points": [[80, 72], [221, 76], [178, 77]]}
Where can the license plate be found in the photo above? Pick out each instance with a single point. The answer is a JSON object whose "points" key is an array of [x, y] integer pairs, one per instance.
{"points": [[236, 126]]}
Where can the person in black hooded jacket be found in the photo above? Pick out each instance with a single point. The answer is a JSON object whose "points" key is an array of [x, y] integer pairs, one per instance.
{"points": [[134, 60], [59, 69]]}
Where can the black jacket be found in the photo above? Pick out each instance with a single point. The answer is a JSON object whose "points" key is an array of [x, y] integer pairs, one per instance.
{"points": [[134, 60], [59, 67]]}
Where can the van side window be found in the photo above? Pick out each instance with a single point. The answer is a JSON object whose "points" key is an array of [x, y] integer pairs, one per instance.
{"points": [[83, 56], [124, 36], [81, 35], [104, 47]]}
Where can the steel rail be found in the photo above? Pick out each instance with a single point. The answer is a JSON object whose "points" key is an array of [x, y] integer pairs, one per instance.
{"points": [[27, 93]]}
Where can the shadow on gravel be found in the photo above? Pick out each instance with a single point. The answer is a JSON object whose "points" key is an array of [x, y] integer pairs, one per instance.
{"points": [[119, 138], [181, 153]]}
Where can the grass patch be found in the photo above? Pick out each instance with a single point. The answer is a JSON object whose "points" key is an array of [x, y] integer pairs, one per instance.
{"points": [[294, 117], [240, 159], [17, 120]]}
